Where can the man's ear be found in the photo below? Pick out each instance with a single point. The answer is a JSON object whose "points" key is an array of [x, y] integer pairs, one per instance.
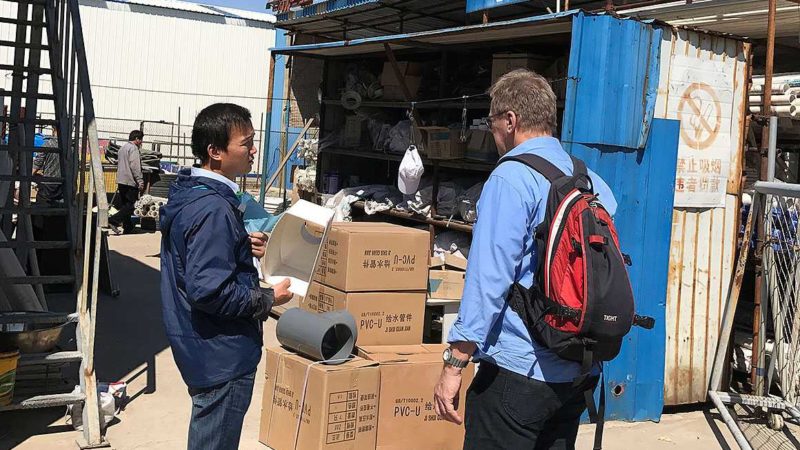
{"points": [[214, 153], [511, 121]]}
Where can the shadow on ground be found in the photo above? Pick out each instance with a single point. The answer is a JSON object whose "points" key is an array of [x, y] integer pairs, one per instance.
{"points": [[129, 335]]}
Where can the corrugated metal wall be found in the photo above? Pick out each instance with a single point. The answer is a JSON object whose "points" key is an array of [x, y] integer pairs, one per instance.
{"points": [[145, 65], [703, 239], [610, 100]]}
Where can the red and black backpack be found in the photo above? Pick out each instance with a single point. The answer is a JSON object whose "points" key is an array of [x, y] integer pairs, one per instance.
{"points": [[581, 305]]}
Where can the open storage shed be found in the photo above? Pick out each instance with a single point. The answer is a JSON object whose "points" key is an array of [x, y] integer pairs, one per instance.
{"points": [[657, 111]]}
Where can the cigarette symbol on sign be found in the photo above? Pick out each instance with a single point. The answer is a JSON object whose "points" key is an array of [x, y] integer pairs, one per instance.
{"points": [[700, 109]]}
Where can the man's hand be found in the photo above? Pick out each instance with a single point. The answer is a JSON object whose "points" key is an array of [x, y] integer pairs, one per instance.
{"points": [[281, 292], [141, 188], [258, 243], [445, 395]]}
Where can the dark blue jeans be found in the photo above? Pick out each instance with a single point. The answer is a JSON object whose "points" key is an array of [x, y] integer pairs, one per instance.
{"points": [[218, 413]]}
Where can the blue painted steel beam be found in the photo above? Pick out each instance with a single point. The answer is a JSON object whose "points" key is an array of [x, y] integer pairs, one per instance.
{"points": [[480, 5]]}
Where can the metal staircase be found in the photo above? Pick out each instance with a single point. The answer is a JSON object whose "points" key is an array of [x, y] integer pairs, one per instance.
{"points": [[50, 76]]}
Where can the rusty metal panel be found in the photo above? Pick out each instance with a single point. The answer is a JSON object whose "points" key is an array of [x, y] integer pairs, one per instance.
{"points": [[703, 238]]}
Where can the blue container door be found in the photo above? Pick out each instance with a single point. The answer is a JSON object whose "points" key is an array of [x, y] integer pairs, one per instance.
{"points": [[608, 122]]}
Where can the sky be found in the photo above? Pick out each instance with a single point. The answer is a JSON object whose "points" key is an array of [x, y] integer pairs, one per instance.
{"points": [[250, 5]]}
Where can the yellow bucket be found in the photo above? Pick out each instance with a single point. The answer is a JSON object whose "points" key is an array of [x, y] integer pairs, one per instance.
{"points": [[8, 375]]}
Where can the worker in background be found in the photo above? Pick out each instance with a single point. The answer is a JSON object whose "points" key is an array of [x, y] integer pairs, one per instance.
{"points": [[47, 163], [213, 305], [130, 183], [523, 394]]}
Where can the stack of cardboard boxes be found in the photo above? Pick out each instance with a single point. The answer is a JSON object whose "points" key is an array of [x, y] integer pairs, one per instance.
{"points": [[383, 398]]}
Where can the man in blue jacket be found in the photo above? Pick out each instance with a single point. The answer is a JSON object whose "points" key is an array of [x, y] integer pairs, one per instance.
{"points": [[213, 306]]}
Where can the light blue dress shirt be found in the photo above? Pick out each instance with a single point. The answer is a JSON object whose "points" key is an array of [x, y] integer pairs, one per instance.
{"points": [[503, 252]]}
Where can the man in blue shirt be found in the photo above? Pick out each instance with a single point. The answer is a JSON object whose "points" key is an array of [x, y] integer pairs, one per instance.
{"points": [[523, 394], [213, 305]]}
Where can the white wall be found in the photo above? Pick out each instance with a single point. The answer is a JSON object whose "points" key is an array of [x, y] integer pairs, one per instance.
{"points": [[147, 62]]}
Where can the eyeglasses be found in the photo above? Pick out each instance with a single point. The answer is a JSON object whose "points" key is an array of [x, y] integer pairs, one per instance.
{"points": [[489, 120]]}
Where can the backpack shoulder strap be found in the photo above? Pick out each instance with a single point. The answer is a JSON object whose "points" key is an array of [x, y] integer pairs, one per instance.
{"points": [[578, 167], [537, 163]]}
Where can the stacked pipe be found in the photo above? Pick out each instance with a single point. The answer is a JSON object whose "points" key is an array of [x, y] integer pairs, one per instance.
{"points": [[148, 206], [785, 100]]}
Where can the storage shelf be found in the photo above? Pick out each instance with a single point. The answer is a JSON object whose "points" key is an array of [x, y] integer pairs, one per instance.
{"points": [[456, 225], [463, 164], [45, 401], [400, 104], [471, 104]]}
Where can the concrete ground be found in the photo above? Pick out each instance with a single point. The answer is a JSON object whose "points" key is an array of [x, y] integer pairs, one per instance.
{"points": [[131, 346]]}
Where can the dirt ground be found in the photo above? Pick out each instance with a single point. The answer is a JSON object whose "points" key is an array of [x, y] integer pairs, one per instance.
{"points": [[131, 346]]}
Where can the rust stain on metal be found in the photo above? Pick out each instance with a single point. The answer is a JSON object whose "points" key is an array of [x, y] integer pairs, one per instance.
{"points": [[722, 283], [694, 301], [708, 294], [679, 279]]}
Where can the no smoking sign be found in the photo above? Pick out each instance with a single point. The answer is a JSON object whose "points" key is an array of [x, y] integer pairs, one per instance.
{"points": [[700, 108]]}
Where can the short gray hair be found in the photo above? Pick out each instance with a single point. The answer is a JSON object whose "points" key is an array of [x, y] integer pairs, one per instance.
{"points": [[530, 96]]}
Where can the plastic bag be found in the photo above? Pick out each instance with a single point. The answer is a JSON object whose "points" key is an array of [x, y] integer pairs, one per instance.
{"points": [[468, 203], [400, 137], [110, 399]]}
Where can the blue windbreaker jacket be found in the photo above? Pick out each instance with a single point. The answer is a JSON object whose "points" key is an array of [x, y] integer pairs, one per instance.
{"points": [[209, 285]]}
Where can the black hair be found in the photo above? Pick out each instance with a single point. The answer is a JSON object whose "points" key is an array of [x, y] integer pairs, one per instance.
{"points": [[135, 134], [213, 126]]}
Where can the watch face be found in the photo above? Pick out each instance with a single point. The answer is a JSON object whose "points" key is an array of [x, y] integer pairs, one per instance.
{"points": [[447, 353]]}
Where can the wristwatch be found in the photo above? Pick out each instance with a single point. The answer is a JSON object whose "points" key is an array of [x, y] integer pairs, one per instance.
{"points": [[451, 360]]}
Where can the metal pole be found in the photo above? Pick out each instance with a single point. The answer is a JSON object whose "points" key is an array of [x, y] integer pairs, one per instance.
{"points": [[757, 337], [729, 421], [180, 149], [262, 192], [772, 151]]}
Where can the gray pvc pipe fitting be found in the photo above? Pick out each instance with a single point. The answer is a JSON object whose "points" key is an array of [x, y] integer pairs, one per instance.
{"points": [[329, 337]]}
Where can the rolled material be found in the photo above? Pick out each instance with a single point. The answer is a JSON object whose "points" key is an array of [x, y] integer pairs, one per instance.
{"points": [[328, 337], [351, 100], [781, 109], [777, 88], [776, 100]]}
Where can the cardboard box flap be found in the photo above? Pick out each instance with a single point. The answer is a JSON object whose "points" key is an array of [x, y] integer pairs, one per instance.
{"points": [[401, 354], [374, 227], [355, 363], [295, 244], [287, 354], [394, 349], [449, 260]]}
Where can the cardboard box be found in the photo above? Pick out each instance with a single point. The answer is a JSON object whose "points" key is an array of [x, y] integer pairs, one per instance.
{"points": [[481, 146], [295, 245], [374, 256], [449, 261], [406, 416], [408, 69], [383, 318], [339, 405], [442, 143], [446, 284], [502, 63], [395, 91], [391, 85]]}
